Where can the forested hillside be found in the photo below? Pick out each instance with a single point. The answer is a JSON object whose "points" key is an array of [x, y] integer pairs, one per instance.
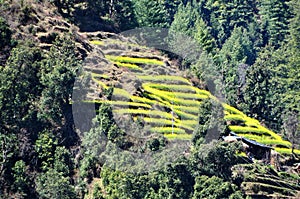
{"points": [[88, 111]]}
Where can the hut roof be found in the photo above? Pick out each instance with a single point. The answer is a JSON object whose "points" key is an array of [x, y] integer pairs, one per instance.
{"points": [[250, 142]]}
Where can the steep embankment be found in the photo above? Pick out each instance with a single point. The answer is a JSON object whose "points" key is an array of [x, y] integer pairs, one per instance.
{"points": [[151, 89]]}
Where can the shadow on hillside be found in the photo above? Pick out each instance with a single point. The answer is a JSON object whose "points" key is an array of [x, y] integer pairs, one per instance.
{"points": [[88, 22]]}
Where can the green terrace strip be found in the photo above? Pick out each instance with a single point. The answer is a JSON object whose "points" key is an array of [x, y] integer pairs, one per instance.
{"points": [[103, 85], [271, 133], [167, 130], [286, 151], [97, 42], [120, 103], [160, 121], [186, 95], [172, 87], [100, 75], [164, 78], [188, 109], [178, 136], [113, 41], [234, 117], [232, 110], [163, 95], [267, 141], [144, 100], [191, 123], [261, 131], [133, 60], [122, 93], [144, 112], [185, 115], [128, 65]]}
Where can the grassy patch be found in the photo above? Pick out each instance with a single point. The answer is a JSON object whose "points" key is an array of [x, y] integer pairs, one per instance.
{"points": [[133, 60]]}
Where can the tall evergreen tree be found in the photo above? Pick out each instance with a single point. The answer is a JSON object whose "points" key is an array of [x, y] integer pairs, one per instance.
{"points": [[274, 21], [236, 53]]}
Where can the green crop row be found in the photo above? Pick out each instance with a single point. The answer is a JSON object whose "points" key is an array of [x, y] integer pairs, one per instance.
{"points": [[260, 130], [103, 85], [188, 109], [122, 93], [128, 65], [100, 75], [144, 112], [186, 95], [172, 87], [113, 41], [185, 115], [246, 129], [122, 103], [162, 95], [164, 78], [266, 140], [143, 99], [232, 110], [133, 60], [97, 42], [178, 136], [286, 151], [160, 121], [167, 130], [234, 117]]}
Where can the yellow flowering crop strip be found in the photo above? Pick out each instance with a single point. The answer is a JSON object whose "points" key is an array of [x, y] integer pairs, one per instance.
{"points": [[178, 136], [286, 151], [166, 130], [97, 42], [164, 78], [266, 140], [128, 65], [133, 60]]}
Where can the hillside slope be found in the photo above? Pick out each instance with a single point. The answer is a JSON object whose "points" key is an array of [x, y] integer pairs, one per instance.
{"points": [[149, 87]]}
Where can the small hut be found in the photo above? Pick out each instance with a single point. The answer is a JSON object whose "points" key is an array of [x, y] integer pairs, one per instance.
{"points": [[254, 150]]}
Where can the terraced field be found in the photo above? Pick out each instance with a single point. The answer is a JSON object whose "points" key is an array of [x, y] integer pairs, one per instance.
{"points": [[157, 93]]}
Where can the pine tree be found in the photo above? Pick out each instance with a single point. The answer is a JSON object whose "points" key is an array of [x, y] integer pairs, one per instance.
{"points": [[203, 37], [236, 54], [150, 13], [274, 21], [185, 20]]}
